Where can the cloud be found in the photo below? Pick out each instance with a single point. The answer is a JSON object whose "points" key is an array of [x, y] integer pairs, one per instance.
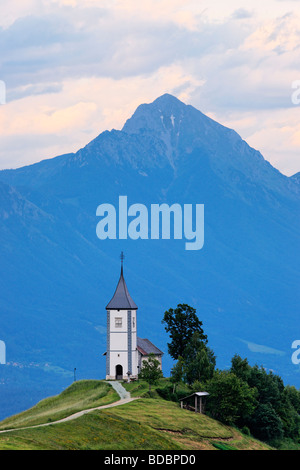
{"points": [[88, 42], [241, 14], [260, 348], [73, 68], [76, 113], [278, 35], [40, 52], [32, 90]]}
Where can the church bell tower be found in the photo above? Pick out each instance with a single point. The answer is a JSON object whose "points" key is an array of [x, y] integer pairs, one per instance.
{"points": [[121, 352]]}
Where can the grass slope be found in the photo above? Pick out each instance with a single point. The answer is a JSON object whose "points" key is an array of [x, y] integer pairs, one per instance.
{"points": [[184, 428], [92, 431], [144, 424], [79, 396]]}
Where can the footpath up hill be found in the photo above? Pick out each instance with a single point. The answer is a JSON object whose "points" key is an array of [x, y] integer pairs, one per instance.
{"points": [[143, 424]]}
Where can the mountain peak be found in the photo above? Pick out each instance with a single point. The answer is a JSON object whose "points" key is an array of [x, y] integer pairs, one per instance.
{"points": [[185, 131], [166, 99], [178, 125], [160, 115], [167, 96], [168, 115]]}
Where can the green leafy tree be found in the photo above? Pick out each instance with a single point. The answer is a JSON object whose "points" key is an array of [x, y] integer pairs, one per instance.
{"points": [[266, 424], [230, 398], [177, 373], [279, 415], [290, 419], [240, 367], [151, 371], [181, 323], [292, 395], [269, 386], [199, 362]]}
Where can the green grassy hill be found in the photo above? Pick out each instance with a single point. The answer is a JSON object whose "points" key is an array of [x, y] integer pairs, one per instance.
{"points": [[144, 424]]}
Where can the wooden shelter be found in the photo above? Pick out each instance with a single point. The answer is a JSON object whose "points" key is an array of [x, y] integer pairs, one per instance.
{"points": [[197, 399]]}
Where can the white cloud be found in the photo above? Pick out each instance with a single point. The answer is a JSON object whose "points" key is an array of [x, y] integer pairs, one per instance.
{"points": [[73, 69], [76, 113], [260, 348]]}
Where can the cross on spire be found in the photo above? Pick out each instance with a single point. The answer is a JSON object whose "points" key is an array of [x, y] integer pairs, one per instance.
{"points": [[122, 256]]}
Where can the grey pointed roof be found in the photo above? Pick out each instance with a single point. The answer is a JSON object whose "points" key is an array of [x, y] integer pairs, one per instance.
{"points": [[121, 299]]}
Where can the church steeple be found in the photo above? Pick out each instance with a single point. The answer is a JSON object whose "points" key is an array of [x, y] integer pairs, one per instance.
{"points": [[121, 298], [121, 353]]}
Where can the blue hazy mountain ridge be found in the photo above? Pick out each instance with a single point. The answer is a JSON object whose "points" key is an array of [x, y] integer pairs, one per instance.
{"points": [[57, 276], [296, 177]]}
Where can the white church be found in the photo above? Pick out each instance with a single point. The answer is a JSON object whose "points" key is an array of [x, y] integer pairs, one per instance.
{"points": [[125, 350]]}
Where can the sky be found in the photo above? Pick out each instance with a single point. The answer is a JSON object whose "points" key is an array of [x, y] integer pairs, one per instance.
{"points": [[75, 68]]}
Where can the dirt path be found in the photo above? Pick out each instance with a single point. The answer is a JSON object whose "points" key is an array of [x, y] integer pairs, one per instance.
{"points": [[124, 398]]}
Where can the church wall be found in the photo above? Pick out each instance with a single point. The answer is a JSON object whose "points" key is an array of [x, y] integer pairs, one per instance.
{"points": [[117, 358], [122, 330], [146, 358]]}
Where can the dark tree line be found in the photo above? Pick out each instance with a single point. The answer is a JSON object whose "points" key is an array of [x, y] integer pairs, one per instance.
{"points": [[245, 396]]}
